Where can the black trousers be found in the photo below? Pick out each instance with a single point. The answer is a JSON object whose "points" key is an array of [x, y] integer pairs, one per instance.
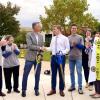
{"points": [[0, 78], [8, 72], [86, 69], [97, 86]]}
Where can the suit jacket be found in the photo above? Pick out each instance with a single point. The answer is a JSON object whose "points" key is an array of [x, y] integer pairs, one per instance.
{"points": [[33, 48]]}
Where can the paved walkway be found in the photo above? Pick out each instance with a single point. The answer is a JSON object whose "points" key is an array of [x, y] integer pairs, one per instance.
{"points": [[45, 84]]}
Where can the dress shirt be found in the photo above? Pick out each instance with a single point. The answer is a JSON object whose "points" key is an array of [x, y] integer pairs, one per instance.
{"points": [[59, 43], [36, 36]]}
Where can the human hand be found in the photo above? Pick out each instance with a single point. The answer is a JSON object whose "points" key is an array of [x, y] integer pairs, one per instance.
{"points": [[14, 46], [3, 42], [43, 49], [74, 44], [88, 44]]}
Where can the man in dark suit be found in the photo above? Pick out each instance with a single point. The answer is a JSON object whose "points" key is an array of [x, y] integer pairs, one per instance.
{"points": [[34, 46]]}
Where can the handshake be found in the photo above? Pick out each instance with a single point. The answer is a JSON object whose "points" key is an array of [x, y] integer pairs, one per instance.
{"points": [[43, 48]]}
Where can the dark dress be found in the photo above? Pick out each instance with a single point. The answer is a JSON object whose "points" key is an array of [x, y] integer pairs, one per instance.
{"points": [[85, 60]]}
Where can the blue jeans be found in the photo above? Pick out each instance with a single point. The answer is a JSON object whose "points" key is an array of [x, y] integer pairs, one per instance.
{"points": [[54, 68], [27, 69], [78, 64]]}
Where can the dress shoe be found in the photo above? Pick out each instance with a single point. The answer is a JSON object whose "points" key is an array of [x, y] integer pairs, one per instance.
{"points": [[52, 92], [2, 94], [62, 93], [9, 91], [23, 93], [16, 90], [37, 93]]}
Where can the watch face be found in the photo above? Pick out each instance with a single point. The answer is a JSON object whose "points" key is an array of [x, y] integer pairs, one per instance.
{"points": [[93, 69]]}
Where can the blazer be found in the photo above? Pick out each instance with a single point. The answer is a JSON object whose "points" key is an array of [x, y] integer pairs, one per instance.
{"points": [[33, 48]]}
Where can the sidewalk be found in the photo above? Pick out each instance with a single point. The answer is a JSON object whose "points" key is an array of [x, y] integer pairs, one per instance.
{"points": [[45, 84]]}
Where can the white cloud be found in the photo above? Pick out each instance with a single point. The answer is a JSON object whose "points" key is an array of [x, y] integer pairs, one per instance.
{"points": [[32, 9], [94, 8]]}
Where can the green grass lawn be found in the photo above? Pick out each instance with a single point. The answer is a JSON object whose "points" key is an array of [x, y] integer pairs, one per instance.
{"points": [[46, 55]]}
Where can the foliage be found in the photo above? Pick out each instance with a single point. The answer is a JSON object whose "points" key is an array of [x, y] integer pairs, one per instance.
{"points": [[66, 12], [8, 23]]}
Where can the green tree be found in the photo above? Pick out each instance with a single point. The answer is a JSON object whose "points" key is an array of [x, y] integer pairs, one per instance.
{"points": [[66, 12], [76, 9], [8, 22], [90, 21], [55, 15], [21, 38], [98, 27]]}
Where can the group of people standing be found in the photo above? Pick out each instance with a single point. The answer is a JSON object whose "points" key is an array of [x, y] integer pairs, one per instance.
{"points": [[78, 48]]}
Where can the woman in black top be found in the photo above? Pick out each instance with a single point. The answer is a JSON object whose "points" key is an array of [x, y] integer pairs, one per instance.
{"points": [[86, 53]]}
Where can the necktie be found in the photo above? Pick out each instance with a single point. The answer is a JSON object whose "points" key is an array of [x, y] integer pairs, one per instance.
{"points": [[56, 45]]}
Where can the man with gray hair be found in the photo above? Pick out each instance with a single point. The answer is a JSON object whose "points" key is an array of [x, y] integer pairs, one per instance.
{"points": [[34, 46]]}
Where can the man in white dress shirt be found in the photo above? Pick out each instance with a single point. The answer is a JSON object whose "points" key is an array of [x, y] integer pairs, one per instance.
{"points": [[59, 47]]}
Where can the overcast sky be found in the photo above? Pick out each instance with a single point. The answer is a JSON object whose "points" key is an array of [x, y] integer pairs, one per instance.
{"points": [[32, 9]]}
